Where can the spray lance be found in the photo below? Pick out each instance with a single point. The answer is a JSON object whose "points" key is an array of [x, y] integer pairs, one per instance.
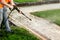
{"points": [[15, 8]]}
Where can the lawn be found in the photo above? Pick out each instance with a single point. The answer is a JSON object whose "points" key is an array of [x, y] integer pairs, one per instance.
{"points": [[52, 15], [22, 1], [18, 34]]}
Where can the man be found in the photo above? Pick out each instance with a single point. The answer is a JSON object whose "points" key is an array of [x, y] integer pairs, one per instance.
{"points": [[3, 12]]}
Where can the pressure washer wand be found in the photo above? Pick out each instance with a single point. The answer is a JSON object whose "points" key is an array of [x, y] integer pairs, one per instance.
{"points": [[15, 7]]}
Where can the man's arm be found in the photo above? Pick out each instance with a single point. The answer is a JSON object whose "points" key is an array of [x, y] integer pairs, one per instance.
{"points": [[8, 5]]}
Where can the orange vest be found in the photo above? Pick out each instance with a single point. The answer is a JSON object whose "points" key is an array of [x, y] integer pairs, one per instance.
{"points": [[1, 5]]}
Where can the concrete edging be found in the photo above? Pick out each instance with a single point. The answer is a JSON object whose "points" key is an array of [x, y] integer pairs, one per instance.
{"points": [[33, 3]]}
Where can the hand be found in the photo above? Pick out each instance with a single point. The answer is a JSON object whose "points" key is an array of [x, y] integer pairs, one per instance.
{"points": [[11, 7]]}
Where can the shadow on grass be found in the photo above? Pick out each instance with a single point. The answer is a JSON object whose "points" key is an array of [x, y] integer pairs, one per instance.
{"points": [[19, 34]]}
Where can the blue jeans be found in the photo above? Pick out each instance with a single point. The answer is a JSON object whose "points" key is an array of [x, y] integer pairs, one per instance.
{"points": [[3, 17]]}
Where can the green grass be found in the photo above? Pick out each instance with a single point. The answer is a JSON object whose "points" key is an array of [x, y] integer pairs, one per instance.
{"points": [[22, 1], [19, 34], [53, 15]]}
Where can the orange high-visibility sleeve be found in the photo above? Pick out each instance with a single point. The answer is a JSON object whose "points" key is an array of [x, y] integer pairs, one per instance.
{"points": [[1, 5]]}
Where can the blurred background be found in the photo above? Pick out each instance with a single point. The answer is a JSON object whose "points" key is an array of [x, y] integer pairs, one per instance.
{"points": [[37, 1]]}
